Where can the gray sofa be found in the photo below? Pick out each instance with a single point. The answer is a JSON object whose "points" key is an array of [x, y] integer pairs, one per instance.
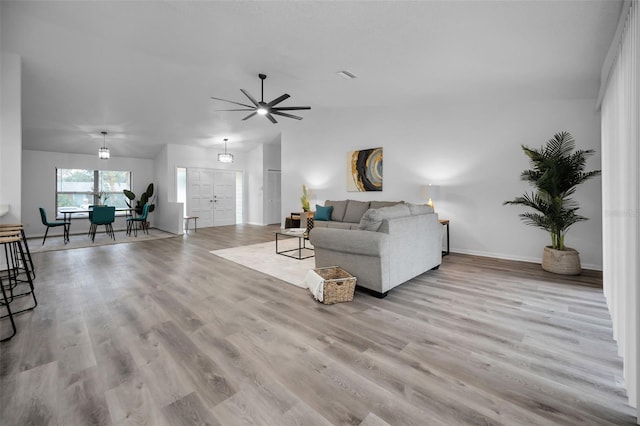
{"points": [[385, 248], [346, 214]]}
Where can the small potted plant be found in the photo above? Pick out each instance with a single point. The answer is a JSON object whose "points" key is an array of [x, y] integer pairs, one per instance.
{"points": [[556, 170], [102, 197], [304, 199]]}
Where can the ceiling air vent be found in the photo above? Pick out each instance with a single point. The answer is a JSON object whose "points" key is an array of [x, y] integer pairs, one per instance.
{"points": [[347, 75]]}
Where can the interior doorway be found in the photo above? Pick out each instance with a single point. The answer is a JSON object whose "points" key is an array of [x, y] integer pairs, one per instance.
{"points": [[274, 196]]}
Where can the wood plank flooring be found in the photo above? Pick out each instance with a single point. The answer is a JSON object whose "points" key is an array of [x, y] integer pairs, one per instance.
{"points": [[164, 333]]}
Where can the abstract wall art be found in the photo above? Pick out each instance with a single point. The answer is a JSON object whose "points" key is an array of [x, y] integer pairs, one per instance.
{"points": [[364, 170]]}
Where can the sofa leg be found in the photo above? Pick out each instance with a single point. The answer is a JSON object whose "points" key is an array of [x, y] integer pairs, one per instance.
{"points": [[373, 292], [435, 268]]}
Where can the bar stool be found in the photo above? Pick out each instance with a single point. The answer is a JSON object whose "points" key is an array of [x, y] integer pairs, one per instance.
{"points": [[20, 227], [10, 280]]}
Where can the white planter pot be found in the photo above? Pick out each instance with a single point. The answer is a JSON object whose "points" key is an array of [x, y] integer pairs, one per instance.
{"points": [[564, 262]]}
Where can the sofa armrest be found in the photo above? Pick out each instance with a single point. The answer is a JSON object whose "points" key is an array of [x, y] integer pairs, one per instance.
{"points": [[354, 241]]}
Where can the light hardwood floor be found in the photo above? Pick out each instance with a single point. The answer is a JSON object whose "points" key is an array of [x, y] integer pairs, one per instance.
{"points": [[164, 333]]}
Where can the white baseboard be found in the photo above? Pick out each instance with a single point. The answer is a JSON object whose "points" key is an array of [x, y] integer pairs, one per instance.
{"points": [[518, 258]]}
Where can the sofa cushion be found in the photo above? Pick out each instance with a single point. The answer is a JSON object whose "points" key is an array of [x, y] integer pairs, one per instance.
{"points": [[339, 207], [323, 213], [379, 204], [372, 218], [355, 210], [419, 209]]}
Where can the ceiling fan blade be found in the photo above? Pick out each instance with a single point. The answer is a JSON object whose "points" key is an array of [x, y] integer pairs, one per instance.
{"points": [[233, 102], [249, 116], [270, 117], [276, 101], [293, 108], [286, 115], [239, 109], [248, 95]]}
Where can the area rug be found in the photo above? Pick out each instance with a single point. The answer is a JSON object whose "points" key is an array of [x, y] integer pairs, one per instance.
{"points": [[263, 258], [102, 239]]}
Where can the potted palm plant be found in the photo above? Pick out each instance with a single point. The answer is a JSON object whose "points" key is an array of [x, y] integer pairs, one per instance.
{"points": [[556, 170]]}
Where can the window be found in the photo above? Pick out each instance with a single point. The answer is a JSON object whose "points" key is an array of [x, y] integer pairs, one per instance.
{"points": [[79, 188], [181, 184]]}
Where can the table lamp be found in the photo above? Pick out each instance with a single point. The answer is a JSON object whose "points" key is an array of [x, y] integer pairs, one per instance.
{"points": [[430, 192]]}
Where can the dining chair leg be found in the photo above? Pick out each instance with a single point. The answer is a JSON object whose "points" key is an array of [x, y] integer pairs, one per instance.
{"points": [[45, 235]]}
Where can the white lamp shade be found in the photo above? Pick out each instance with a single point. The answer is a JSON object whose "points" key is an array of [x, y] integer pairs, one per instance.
{"points": [[225, 158], [103, 153], [430, 192]]}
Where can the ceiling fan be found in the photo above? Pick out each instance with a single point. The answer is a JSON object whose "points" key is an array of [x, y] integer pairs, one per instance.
{"points": [[268, 109]]}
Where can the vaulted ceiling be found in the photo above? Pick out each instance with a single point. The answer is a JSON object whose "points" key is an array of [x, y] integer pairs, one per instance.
{"points": [[145, 70]]}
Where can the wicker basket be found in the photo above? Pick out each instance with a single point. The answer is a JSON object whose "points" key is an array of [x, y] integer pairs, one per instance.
{"points": [[339, 285]]}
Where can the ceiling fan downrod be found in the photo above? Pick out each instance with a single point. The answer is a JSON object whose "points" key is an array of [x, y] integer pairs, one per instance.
{"points": [[262, 78]]}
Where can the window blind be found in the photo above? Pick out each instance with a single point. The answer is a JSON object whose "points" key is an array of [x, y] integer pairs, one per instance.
{"points": [[621, 196]]}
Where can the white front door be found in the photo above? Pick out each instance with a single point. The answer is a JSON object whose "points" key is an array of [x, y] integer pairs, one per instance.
{"points": [[200, 195], [224, 197]]}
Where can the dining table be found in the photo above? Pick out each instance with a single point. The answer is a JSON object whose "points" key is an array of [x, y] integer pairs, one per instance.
{"points": [[68, 212]]}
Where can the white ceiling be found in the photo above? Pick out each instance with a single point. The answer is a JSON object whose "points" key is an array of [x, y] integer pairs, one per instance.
{"points": [[145, 70]]}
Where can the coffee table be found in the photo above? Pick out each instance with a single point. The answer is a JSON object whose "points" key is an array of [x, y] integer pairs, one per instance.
{"points": [[294, 253]]}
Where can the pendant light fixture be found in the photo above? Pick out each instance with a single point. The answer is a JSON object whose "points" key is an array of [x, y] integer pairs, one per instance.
{"points": [[225, 158], [103, 152]]}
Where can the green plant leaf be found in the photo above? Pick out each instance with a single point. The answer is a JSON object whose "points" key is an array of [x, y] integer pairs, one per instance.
{"points": [[130, 195]]}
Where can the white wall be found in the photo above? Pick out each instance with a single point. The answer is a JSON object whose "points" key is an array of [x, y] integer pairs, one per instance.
{"points": [[167, 214], [11, 137], [39, 184], [471, 149], [254, 178]]}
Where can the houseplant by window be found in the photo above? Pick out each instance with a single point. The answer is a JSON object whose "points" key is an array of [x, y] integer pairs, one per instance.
{"points": [[556, 170], [146, 197]]}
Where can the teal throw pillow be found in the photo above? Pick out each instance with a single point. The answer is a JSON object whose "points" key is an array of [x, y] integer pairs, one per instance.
{"points": [[323, 213]]}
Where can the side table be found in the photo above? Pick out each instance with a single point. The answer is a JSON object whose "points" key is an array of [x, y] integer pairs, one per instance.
{"points": [[195, 223], [293, 221], [445, 223], [302, 245]]}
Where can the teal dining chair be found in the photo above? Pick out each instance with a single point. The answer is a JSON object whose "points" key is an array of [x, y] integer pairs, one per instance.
{"points": [[133, 223], [45, 222], [102, 215]]}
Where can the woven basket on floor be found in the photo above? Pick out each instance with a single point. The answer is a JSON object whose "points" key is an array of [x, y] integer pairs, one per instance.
{"points": [[339, 285]]}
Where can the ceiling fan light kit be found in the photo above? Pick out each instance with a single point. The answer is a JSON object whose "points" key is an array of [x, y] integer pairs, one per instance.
{"points": [[268, 109]]}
